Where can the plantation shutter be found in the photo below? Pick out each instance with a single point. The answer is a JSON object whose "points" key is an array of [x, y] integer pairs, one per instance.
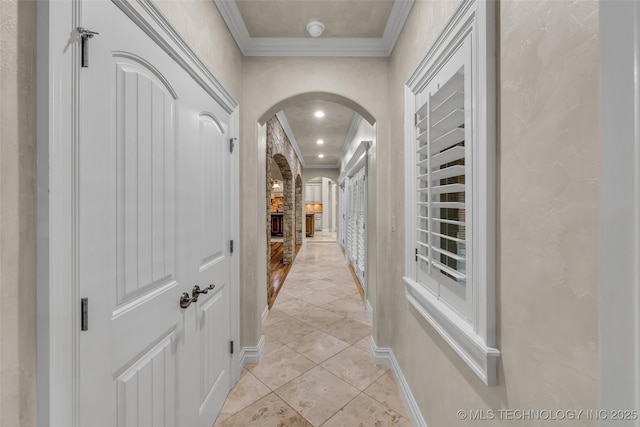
{"points": [[361, 224], [442, 171]]}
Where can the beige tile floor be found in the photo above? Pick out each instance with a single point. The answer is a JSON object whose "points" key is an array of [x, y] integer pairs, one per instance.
{"points": [[316, 369]]}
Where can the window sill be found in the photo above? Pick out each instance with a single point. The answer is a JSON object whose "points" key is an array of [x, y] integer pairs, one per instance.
{"points": [[455, 330]]}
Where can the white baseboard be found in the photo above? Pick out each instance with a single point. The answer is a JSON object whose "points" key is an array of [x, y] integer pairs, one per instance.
{"points": [[251, 354], [384, 356], [265, 314], [369, 308]]}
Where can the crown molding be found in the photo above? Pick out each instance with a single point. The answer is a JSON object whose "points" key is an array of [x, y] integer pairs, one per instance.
{"points": [[308, 46], [355, 123], [289, 132], [321, 166]]}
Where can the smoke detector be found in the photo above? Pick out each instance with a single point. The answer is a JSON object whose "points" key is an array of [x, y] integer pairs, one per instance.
{"points": [[315, 28]]}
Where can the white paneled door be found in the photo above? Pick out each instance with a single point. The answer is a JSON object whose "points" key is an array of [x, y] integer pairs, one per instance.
{"points": [[153, 222]]}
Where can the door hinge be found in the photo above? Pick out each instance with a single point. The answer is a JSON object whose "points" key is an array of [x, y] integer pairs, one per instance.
{"points": [[231, 347], [231, 246], [84, 314], [85, 35], [416, 254], [231, 144]]}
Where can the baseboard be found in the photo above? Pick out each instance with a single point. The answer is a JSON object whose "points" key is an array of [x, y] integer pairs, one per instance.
{"points": [[265, 314], [385, 356], [369, 308], [251, 354]]}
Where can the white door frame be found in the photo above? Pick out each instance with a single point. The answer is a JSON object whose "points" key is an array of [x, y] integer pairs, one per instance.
{"points": [[620, 204], [58, 303]]}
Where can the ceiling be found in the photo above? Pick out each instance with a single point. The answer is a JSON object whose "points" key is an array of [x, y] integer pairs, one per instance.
{"points": [[352, 28], [278, 27], [308, 129], [346, 18]]}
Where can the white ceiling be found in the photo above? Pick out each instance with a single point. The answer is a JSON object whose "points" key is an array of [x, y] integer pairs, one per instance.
{"points": [[278, 27], [352, 28], [307, 129], [346, 18]]}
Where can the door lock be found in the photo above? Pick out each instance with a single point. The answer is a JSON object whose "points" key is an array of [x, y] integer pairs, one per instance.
{"points": [[186, 300]]}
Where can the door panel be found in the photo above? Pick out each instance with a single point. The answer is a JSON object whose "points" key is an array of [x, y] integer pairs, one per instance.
{"points": [[145, 181], [212, 225], [213, 308], [147, 390]]}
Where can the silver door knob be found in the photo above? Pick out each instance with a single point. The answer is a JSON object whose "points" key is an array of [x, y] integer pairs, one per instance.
{"points": [[186, 300]]}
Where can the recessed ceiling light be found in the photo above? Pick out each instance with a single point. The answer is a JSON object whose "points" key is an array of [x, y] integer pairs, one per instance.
{"points": [[320, 142], [319, 114], [321, 155]]}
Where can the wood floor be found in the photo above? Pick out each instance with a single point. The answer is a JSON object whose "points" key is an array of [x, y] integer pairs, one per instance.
{"points": [[279, 270]]}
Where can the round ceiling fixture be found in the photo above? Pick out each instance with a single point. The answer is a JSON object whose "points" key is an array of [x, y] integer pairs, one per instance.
{"points": [[320, 142], [315, 28], [319, 114], [321, 156]]}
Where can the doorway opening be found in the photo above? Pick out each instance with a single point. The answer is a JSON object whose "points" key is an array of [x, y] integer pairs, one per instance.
{"points": [[318, 136], [321, 209]]}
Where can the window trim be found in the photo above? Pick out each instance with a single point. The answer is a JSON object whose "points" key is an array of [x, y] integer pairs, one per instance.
{"points": [[474, 340]]}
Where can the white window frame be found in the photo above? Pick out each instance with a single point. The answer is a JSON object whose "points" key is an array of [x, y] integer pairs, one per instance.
{"points": [[472, 334]]}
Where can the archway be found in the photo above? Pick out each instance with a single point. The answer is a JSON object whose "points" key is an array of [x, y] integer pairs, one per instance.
{"points": [[286, 89], [283, 202], [317, 96]]}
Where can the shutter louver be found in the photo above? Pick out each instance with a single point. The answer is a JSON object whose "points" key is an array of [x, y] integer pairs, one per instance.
{"points": [[440, 186], [361, 224]]}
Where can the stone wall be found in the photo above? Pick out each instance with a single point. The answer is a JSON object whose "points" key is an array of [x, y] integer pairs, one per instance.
{"points": [[280, 150]]}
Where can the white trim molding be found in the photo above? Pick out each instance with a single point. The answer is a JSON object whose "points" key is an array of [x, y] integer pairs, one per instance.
{"points": [[470, 332], [356, 160], [385, 356], [458, 333], [251, 354], [353, 129], [620, 207], [292, 138], [308, 46], [265, 314], [369, 308]]}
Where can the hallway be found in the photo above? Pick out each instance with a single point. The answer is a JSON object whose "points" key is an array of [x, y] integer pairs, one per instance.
{"points": [[316, 369]]}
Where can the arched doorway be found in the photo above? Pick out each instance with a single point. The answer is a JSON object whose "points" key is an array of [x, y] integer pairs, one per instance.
{"points": [[321, 201], [354, 94]]}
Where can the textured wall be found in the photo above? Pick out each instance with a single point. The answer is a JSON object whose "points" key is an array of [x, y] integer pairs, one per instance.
{"points": [[17, 213], [548, 192], [280, 150], [202, 27]]}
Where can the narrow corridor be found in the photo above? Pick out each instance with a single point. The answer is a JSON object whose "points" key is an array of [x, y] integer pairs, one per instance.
{"points": [[316, 369]]}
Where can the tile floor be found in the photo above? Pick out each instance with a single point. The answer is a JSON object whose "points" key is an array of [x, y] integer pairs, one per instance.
{"points": [[316, 369]]}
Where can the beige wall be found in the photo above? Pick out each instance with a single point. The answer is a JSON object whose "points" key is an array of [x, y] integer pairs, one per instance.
{"points": [[548, 192], [267, 82], [204, 30], [17, 213]]}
